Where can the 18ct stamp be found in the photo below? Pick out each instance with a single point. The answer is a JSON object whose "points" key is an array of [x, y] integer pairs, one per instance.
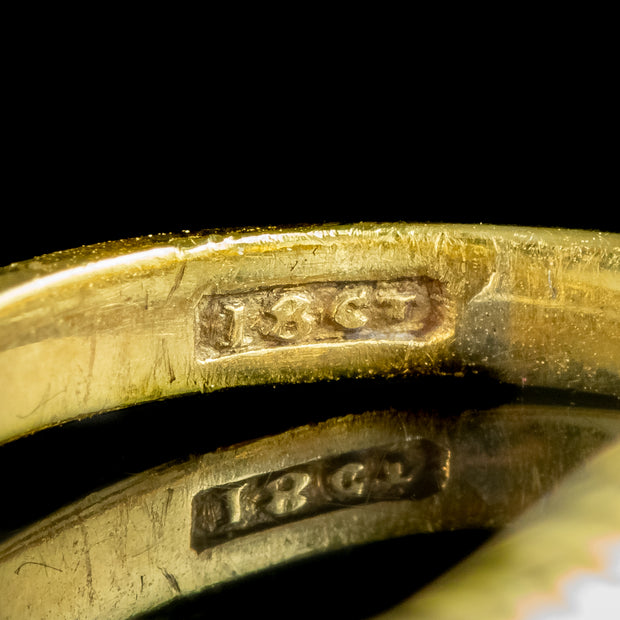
{"points": [[318, 312], [411, 469]]}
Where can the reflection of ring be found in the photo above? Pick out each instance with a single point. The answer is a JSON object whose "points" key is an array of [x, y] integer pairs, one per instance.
{"points": [[104, 327], [169, 533], [560, 562], [97, 329]]}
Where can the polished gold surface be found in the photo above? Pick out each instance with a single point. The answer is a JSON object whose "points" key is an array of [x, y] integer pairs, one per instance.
{"points": [[104, 327]]}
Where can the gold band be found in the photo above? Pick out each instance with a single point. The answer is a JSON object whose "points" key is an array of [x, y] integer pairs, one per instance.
{"points": [[103, 327]]}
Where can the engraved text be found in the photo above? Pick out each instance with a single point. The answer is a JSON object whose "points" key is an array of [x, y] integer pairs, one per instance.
{"points": [[409, 470]]}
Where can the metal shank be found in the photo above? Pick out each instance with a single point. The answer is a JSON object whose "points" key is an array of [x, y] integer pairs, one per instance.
{"points": [[103, 327]]}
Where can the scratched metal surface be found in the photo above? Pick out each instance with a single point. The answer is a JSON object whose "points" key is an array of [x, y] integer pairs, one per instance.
{"points": [[171, 532], [146, 319], [108, 326]]}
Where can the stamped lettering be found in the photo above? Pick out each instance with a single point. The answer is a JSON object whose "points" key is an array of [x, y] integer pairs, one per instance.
{"points": [[409, 470], [319, 312]]}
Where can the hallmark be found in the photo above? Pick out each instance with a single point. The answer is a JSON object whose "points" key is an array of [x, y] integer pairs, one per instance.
{"points": [[401, 309], [409, 470]]}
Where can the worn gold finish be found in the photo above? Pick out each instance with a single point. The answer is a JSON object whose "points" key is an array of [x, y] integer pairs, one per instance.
{"points": [[171, 532], [103, 327], [100, 328]]}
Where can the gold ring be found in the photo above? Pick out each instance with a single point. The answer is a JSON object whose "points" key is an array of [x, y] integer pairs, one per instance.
{"points": [[108, 326], [102, 328]]}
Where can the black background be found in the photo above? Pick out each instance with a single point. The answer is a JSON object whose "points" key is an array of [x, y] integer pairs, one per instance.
{"points": [[89, 162], [73, 211]]}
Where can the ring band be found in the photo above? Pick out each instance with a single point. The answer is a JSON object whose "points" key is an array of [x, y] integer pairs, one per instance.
{"points": [[101, 328], [108, 326]]}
